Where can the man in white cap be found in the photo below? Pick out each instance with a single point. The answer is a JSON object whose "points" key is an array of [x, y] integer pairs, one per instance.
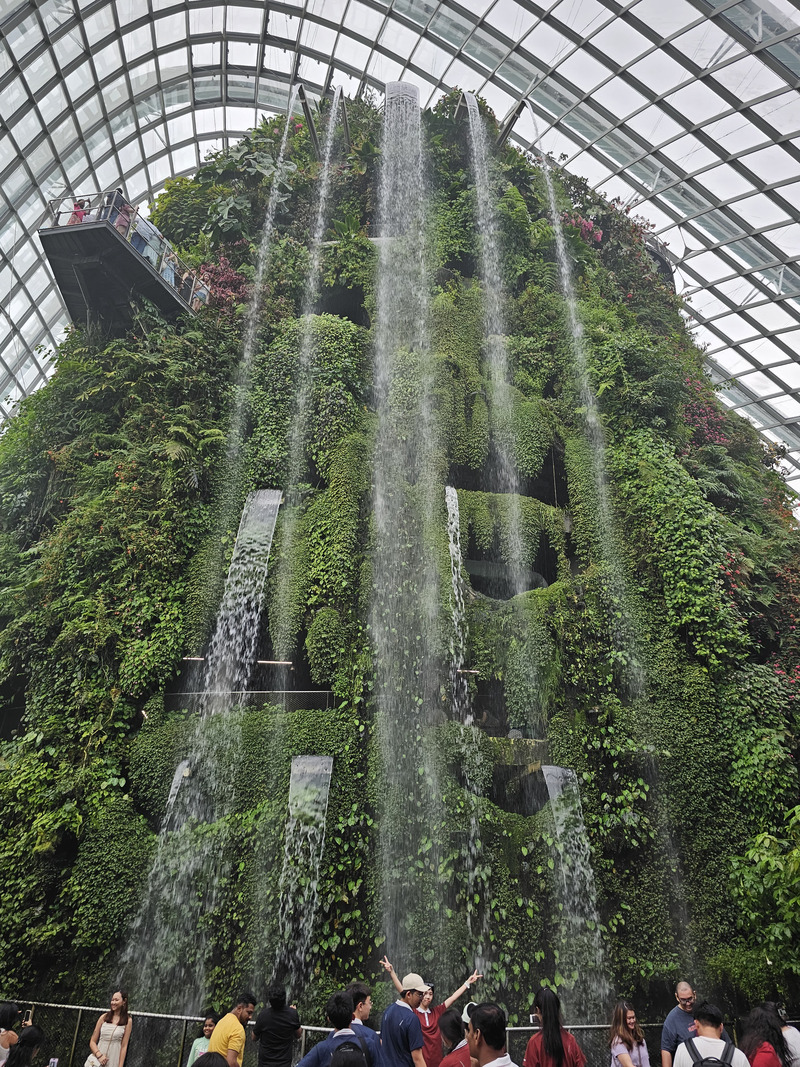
{"points": [[401, 1032]]}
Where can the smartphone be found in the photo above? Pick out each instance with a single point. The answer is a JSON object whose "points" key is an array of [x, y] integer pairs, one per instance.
{"points": [[26, 1018]]}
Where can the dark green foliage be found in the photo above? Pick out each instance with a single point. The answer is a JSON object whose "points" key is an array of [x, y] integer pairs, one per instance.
{"points": [[118, 516]]}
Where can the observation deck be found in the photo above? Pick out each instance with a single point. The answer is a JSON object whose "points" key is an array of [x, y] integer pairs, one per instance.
{"points": [[104, 254]]}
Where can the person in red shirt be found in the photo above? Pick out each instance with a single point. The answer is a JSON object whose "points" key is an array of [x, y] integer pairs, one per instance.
{"points": [[429, 1016], [453, 1033], [762, 1039], [553, 1046]]}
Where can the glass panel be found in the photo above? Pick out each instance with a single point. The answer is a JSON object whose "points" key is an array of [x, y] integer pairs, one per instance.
{"points": [[771, 164], [169, 29], [5, 60], [781, 112], [363, 20], [485, 49], [788, 53], [283, 26], [245, 20], [108, 60], [53, 104], [431, 58], [519, 72], [39, 71], [129, 156], [56, 13], [206, 89], [14, 96], [144, 77], [99, 25], [398, 39], [241, 87], [123, 123], [68, 47], [584, 17], [350, 52], [79, 81], [24, 37], [552, 98], [547, 44], [40, 158], [242, 53], [206, 54], [26, 129], [177, 96], [512, 19], [621, 42], [418, 11], [451, 27], [173, 63], [749, 78], [384, 69]]}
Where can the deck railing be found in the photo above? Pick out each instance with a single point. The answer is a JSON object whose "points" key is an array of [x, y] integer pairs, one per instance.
{"points": [[112, 208]]}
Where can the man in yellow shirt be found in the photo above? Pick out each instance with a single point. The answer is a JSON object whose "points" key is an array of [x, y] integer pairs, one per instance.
{"points": [[228, 1036]]}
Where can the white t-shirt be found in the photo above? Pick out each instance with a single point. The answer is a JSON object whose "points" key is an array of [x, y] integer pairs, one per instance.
{"points": [[707, 1046], [791, 1036]]}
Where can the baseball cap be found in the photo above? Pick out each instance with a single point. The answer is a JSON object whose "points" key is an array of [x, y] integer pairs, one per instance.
{"points": [[415, 982]]}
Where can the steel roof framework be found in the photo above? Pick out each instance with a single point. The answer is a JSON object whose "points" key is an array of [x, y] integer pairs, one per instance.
{"points": [[687, 111]]}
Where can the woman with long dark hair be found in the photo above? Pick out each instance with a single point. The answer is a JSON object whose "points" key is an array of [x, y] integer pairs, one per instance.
{"points": [[626, 1041], [762, 1039], [112, 1032], [454, 1040], [9, 1017], [22, 1054], [553, 1046]]}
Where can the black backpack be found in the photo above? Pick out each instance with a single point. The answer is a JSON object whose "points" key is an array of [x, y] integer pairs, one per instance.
{"points": [[710, 1061], [345, 1053]]}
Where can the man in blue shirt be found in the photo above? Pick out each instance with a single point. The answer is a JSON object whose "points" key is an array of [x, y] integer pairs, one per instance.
{"points": [[362, 1006], [340, 1013], [401, 1031], [679, 1025]]}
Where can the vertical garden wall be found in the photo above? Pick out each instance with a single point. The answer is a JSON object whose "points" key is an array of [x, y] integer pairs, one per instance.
{"points": [[116, 532]]}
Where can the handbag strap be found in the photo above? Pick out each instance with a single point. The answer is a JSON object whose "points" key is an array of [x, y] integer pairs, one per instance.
{"points": [[108, 1046]]}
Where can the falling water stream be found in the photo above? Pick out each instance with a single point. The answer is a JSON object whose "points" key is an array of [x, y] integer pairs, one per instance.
{"points": [[163, 963], [471, 761], [502, 405], [620, 623], [404, 602], [282, 637], [309, 789], [581, 955]]}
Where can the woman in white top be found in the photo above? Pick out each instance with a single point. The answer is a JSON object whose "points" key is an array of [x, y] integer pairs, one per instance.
{"points": [[112, 1032]]}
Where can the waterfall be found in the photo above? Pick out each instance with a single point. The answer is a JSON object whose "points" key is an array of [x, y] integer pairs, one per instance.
{"points": [[407, 503], [581, 955], [253, 321], [231, 653], [163, 963], [471, 758], [282, 639], [622, 631], [309, 788], [502, 406]]}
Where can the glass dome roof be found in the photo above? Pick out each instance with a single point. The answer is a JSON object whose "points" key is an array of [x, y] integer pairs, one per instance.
{"points": [[687, 111]]}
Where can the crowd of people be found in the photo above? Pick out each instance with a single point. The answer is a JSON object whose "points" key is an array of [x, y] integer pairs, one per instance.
{"points": [[147, 241], [417, 1032]]}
